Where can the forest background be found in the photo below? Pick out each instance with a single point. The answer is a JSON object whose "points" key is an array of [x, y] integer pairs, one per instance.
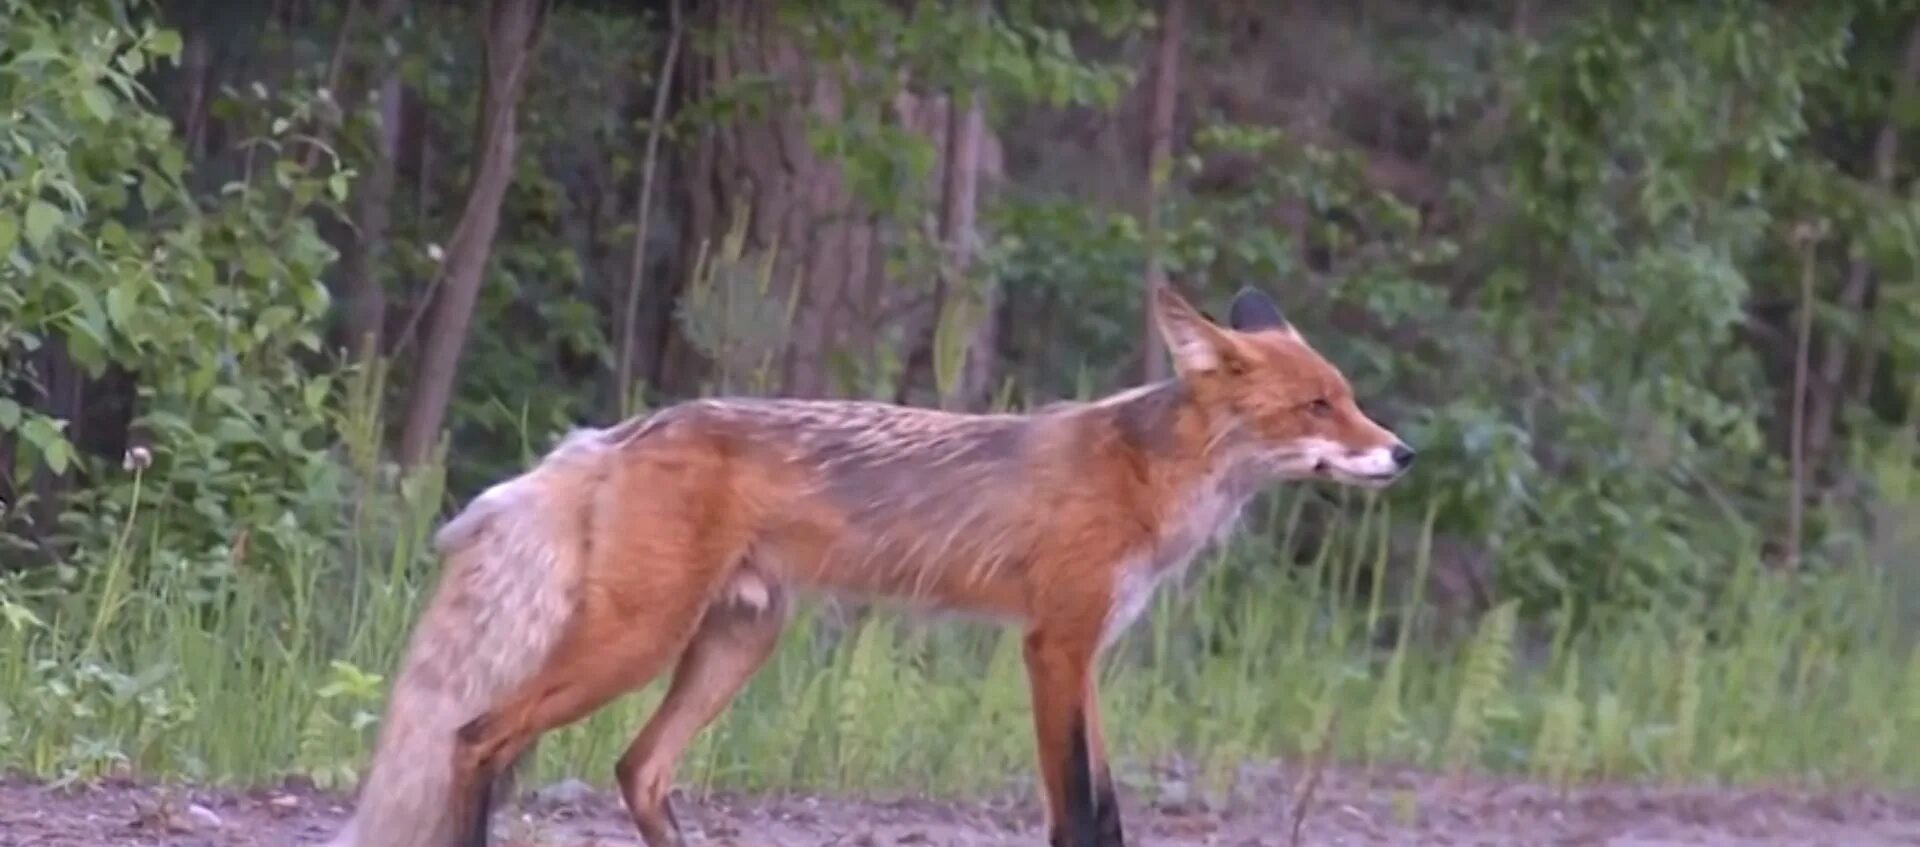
{"points": [[283, 284]]}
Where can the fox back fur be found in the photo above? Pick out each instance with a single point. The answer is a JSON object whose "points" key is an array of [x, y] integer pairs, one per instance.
{"points": [[677, 536]]}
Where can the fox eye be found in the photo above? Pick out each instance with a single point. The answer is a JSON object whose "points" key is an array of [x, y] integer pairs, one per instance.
{"points": [[1320, 407]]}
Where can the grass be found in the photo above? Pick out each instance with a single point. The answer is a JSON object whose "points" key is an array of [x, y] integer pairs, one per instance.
{"points": [[257, 670]]}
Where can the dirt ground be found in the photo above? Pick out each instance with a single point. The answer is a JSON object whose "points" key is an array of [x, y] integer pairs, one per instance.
{"points": [[1346, 808]]}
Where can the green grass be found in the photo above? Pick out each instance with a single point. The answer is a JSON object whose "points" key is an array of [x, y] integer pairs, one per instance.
{"points": [[264, 668]]}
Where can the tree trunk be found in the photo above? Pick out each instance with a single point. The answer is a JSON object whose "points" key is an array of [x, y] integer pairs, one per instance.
{"points": [[366, 297], [959, 195], [1166, 90], [197, 64], [1807, 242], [513, 29], [755, 167], [1827, 388]]}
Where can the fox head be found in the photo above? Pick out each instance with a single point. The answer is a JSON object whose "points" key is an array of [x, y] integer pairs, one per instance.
{"points": [[1294, 406]]}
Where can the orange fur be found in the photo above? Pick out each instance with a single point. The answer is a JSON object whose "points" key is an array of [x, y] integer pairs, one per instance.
{"points": [[678, 538]]}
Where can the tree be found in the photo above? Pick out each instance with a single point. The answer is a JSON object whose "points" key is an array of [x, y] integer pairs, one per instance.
{"points": [[756, 170], [366, 300], [957, 307], [636, 273], [513, 31], [1825, 392], [1166, 92]]}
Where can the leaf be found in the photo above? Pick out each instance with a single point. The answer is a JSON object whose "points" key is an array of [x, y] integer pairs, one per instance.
{"points": [[9, 233], [166, 42], [122, 301], [45, 437], [42, 217], [9, 413], [19, 617], [96, 100], [257, 262], [58, 454]]}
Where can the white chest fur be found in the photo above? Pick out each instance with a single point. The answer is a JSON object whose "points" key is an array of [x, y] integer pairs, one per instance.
{"points": [[1207, 515]]}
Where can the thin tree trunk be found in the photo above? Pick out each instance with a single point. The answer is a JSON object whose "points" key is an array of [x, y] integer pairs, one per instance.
{"points": [[366, 298], [958, 202], [1166, 89], [1797, 458], [513, 30], [63, 397], [197, 64], [1828, 388], [636, 274]]}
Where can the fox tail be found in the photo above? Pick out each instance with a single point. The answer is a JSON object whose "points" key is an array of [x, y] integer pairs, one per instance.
{"points": [[511, 563]]}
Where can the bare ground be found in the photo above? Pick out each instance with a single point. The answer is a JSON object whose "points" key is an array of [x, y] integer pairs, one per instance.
{"points": [[1347, 807]]}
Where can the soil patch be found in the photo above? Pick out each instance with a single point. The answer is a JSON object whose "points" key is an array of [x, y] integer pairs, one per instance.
{"points": [[1348, 807]]}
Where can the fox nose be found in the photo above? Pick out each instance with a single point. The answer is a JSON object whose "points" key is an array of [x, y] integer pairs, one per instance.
{"points": [[1402, 456]]}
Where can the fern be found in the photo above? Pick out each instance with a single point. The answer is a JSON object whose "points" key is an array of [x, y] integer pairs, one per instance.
{"points": [[1612, 743], [863, 698], [1556, 750], [1484, 677], [1386, 720], [1686, 705], [1911, 681]]}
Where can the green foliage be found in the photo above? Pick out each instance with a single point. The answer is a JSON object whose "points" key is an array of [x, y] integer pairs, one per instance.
{"points": [[1652, 220], [210, 304]]}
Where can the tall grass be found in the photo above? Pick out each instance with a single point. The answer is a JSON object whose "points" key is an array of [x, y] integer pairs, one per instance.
{"points": [[274, 667]]}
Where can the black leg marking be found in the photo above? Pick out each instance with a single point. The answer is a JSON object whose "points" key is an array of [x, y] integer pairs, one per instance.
{"points": [[1092, 814], [1106, 810], [480, 793], [482, 812], [1077, 827]]}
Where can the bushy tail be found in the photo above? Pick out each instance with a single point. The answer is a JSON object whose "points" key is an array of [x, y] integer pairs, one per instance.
{"points": [[510, 564]]}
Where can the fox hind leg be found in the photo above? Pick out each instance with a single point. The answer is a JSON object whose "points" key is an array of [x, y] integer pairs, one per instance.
{"points": [[737, 634], [607, 652]]}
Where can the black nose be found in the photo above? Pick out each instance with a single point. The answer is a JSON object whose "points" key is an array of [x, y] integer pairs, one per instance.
{"points": [[1402, 455]]}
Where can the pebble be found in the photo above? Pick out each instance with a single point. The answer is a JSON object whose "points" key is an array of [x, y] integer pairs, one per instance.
{"points": [[204, 817]]}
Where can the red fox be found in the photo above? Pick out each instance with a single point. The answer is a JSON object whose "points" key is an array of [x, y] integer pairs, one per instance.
{"points": [[679, 538]]}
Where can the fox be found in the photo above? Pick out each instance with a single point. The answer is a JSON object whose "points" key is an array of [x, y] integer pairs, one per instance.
{"points": [[682, 538]]}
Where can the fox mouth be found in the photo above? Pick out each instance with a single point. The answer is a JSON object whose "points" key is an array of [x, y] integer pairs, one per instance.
{"points": [[1365, 480], [1326, 461], [1373, 480]]}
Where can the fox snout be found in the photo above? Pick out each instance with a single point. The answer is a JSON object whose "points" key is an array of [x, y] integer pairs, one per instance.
{"points": [[1372, 467]]}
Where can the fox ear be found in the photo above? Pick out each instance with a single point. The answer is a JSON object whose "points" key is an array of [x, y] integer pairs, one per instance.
{"points": [[1195, 344], [1253, 311]]}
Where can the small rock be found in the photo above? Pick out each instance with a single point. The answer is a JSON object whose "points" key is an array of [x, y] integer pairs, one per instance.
{"points": [[204, 817], [1177, 797], [569, 792]]}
